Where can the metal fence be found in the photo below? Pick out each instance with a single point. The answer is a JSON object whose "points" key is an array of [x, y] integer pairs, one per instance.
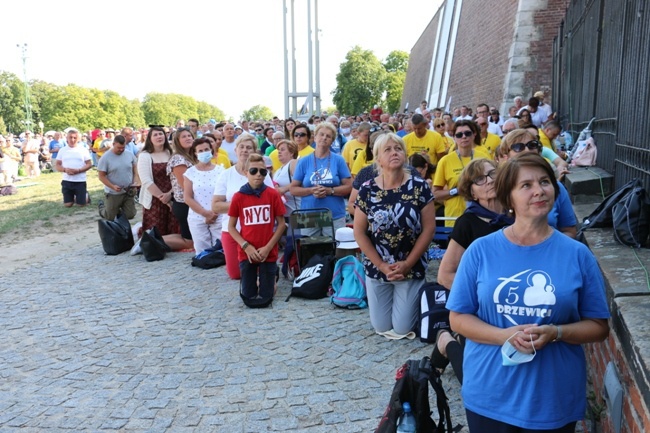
{"points": [[602, 71]]}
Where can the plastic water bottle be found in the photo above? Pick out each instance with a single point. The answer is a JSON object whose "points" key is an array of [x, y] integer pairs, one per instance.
{"points": [[407, 421]]}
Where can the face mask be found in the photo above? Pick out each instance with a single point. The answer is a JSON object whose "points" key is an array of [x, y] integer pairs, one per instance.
{"points": [[204, 157], [345, 131], [512, 357]]}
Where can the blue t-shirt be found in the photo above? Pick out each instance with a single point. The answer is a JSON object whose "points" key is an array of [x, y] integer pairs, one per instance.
{"points": [[329, 172], [562, 214], [394, 222], [555, 282]]}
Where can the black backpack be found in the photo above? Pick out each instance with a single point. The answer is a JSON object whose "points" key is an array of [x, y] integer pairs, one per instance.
{"points": [[433, 312], [116, 235], [315, 278], [602, 215], [211, 258], [631, 218], [412, 385]]}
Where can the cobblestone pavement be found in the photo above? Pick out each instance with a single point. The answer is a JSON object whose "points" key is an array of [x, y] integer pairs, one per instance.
{"points": [[113, 343]]}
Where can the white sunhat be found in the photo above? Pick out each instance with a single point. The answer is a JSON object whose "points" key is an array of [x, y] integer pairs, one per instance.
{"points": [[345, 239]]}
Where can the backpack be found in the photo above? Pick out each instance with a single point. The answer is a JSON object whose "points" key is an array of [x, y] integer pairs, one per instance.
{"points": [[211, 258], [631, 218], [153, 246], [586, 154], [315, 278], [412, 385], [433, 312], [602, 215], [116, 235], [290, 268], [349, 284]]}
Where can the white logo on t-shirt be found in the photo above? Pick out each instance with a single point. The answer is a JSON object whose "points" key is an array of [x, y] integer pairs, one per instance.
{"points": [[254, 215], [539, 291]]}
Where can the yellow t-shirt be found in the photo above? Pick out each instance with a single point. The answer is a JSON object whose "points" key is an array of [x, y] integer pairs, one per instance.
{"points": [[449, 142], [490, 143], [546, 142], [432, 143], [359, 163], [97, 145], [276, 162], [447, 173], [350, 151], [479, 151], [221, 158]]}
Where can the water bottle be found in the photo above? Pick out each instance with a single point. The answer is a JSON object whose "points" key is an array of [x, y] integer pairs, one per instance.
{"points": [[407, 421]]}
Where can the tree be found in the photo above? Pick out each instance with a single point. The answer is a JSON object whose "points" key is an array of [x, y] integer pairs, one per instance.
{"points": [[396, 65], [166, 109], [360, 83], [257, 112]]}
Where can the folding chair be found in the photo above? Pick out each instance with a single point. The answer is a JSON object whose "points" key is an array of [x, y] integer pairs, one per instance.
{"points": [[308, 246]]}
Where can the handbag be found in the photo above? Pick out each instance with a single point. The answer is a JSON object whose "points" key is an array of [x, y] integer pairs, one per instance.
{"points": [[153, 246], [116, 235]]}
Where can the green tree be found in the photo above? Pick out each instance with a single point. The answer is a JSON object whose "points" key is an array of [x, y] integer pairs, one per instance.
{"points": [[396, 65], [257, 112], [360, 83], [12, 102], [166, 109]]}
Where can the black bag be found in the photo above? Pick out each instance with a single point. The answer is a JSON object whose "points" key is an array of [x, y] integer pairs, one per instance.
{"points": [[8, 190], [412, 385], [116, 235], [315, 278], [153, 246], [602, 215], [631, 218], [433, 312], [211, 258]]}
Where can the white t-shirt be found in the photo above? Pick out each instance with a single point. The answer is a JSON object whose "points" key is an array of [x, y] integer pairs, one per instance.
{"points": [[230, 148], [229, 183], [74, 157]]}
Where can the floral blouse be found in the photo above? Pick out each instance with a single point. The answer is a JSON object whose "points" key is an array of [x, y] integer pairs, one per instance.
{"points": [[394, 222], [175, 161]]}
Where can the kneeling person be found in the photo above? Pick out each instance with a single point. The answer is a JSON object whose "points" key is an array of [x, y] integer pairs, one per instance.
{"points": [[257, 224], [117, 171], [74, 161]]}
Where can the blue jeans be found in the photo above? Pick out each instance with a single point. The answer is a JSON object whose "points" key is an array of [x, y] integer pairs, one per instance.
{"points": [[249, 275]]}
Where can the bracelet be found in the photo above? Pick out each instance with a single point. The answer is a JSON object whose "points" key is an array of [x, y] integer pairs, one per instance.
{"points": [[558, 337], [244, 245]]}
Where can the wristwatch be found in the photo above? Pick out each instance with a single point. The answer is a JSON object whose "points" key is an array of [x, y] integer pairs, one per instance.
{"points": [[558, 337], [244, 245], [453, 192]]}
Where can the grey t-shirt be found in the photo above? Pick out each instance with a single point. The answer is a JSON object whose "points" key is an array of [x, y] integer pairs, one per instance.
{"points": [[118, 168]]}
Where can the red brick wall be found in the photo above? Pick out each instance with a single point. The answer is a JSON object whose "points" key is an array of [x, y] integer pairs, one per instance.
{"points": [[415, 87], [635, 416], [540, 76], [480, 61]]}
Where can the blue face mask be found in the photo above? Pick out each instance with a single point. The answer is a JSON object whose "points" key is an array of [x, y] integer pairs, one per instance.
{"points": [[512, 357], [204, 157]]}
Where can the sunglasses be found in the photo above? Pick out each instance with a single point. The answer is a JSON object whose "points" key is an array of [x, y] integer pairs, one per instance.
{"points": [[300, 134], [254, 170], [463, 134], [258, 130], [482, 180], [531, 145]]}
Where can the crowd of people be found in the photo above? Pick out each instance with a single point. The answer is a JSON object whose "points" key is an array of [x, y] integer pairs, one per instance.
{"points": [[518, 314]]}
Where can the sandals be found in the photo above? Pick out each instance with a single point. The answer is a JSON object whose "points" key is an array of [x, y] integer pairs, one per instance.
{"points": [[438, 360]]}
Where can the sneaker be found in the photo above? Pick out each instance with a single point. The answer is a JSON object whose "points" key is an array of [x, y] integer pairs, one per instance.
{"points": [[101, 208], [136, 248]]}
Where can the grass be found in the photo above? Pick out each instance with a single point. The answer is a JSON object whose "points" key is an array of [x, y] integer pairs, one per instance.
{"points": [[42, 203]]}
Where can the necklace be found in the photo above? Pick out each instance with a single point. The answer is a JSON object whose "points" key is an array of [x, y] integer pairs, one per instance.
{"points": [[317, 174], [471, 157], [383, 182], [520, 243]]}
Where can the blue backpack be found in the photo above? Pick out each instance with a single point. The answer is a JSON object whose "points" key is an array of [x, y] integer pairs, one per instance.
{"points": [[349, 284]]}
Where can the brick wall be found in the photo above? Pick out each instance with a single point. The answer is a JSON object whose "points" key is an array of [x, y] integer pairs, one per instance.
{"points": [[480, 61], [417, 75], [540, 74]]}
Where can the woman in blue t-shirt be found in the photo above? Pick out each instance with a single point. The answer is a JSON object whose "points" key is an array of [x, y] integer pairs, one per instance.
{"points": [[323, 179], [526, 298], [394, 222]]}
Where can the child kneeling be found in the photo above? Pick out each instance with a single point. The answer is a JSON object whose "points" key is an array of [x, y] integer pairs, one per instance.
{"points": [[254, 212]]}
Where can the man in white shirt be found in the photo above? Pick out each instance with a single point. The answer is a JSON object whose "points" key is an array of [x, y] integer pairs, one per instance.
{"points": [[542, 105], [73, 161], [30, 155], [228, 143], [484, 111], [537, 116]]}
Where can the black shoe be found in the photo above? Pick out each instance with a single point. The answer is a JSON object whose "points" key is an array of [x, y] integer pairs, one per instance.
{"points": [[101, 208], [438, 360]]}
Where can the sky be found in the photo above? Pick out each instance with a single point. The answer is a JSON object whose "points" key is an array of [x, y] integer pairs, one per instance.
{"points": [[226, 53]]}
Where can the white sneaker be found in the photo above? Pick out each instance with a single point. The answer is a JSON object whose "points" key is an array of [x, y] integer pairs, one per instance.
{"points": [[136, 248]]}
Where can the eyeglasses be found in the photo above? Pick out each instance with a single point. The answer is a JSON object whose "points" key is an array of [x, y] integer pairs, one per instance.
{"points": [[300, 134], [532, 145], [254, 170], [463, 134], [442, 125], [482, 180]]}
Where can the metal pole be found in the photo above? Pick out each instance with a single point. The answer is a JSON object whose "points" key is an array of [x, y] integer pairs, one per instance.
{"points": [[293, 58], [286, 60], [317, 58], [28, 102], [310, 73]]}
